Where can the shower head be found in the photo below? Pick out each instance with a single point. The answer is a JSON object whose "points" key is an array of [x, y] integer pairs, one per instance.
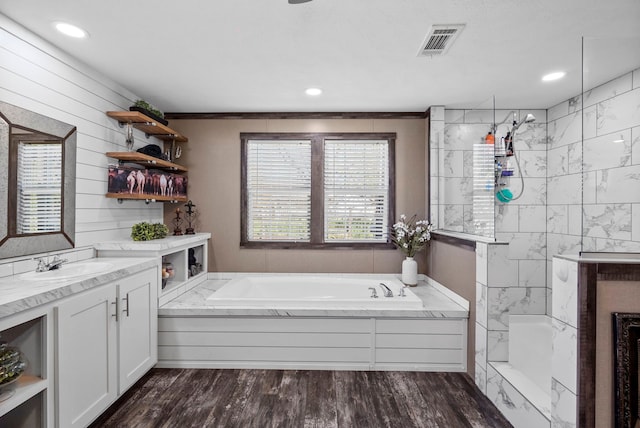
{"points": [[528, 119]]}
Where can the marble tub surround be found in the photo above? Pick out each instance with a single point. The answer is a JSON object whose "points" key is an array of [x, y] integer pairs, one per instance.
{"points": [[194, 332], [316, 292], [438, 301], [17, 295]]}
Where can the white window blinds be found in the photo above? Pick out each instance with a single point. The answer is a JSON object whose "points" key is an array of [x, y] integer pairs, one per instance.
{"points": [[278, 190], [39, 183], [356, 190]]}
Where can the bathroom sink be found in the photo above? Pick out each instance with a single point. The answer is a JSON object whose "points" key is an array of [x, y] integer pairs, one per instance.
{"points": [[68, 271]]}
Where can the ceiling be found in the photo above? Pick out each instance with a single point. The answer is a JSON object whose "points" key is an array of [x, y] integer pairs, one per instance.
{"points": [[260, 55]]}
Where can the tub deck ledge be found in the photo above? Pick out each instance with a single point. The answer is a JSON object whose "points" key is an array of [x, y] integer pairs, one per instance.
{"points": [[438, 302]]}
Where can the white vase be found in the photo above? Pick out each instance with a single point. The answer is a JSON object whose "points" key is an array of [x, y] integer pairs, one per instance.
{"points": [[410, 272]]}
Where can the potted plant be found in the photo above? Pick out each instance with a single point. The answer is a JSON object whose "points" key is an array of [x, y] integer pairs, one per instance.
{"points": [[147, 109], [147, 231]]}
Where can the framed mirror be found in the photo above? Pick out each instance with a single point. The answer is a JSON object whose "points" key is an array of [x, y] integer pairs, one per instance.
{"points": [[37, 182]]}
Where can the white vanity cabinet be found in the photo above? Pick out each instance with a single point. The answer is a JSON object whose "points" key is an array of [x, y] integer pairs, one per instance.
{"points": [[138, 328], [107, 339]]}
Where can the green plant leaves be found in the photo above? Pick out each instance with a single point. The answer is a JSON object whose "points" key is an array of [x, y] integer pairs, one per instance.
{"points": [[147, 231], [145, 105]]}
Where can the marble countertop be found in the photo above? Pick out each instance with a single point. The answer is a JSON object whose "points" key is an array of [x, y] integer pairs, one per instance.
{"points": [[468, 237], [194, 303], [17, 294], [167, 243], [586, 257]]}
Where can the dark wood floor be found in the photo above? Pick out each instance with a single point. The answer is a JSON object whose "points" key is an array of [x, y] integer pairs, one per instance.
{"points": [[301, 398]]}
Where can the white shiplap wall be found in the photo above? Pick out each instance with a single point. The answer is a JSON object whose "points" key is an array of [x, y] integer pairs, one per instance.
{"points": [[37, 76]]}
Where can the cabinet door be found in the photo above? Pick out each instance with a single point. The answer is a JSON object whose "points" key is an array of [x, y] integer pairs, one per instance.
{"points": [[138, 329], [86, 356]]}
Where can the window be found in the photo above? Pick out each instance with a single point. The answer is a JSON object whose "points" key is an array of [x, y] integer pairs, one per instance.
{"points": [[39, 189], [36, 178], [278, 190], [317, 190]]}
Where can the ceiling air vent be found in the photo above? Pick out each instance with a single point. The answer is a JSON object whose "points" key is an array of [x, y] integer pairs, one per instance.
{"points": [[440, 39]]}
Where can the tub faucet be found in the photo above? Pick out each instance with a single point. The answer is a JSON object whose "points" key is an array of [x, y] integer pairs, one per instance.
{"points": [[374, 295], [387, 291], [44, 266], [402, 294]]}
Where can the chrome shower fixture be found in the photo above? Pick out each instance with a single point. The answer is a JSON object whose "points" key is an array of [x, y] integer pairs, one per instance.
{"points": [[505, 195], [528, 119]]}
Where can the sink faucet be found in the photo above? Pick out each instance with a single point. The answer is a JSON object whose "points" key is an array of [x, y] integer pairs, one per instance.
{"points": [[374, 295], [387, 291], [44, 266]]}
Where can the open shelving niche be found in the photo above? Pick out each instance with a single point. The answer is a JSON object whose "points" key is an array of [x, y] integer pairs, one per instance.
{"points": [[172, 249], [150, 128], [27, 402]]}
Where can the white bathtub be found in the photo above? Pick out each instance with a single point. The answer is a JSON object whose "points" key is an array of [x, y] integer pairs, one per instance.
{"points": [[313, 292]]}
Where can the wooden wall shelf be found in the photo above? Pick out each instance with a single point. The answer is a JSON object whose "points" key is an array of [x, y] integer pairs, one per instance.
{"points": [[147, 198], [151, 128], [147, 125], [146, 161]]}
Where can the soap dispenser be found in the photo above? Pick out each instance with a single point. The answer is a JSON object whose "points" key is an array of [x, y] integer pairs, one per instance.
{"points": [[490, 139]]}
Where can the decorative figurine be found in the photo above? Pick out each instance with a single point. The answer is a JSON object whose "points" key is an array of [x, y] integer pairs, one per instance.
{"points": [[191, 216], [177, 222]]}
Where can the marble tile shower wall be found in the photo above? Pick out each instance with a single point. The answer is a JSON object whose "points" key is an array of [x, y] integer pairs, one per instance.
{"points": [[497, 297], [521, 223], [436, 155], [609, 217], [464, 128], [514, 274]]}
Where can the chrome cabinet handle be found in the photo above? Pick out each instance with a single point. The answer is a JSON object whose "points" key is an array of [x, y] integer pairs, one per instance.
{"points": [[126, 308], [115, 312]]}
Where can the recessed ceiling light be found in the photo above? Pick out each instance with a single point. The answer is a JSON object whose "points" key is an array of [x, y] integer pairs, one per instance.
{"points": [[70, 30], [553, 76], [314, 92]]}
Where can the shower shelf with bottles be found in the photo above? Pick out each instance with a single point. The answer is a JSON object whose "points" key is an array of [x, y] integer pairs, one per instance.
{"points": [[503, 150]]}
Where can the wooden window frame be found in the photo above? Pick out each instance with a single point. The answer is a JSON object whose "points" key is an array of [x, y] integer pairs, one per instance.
{"points": [[317, 189]]}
